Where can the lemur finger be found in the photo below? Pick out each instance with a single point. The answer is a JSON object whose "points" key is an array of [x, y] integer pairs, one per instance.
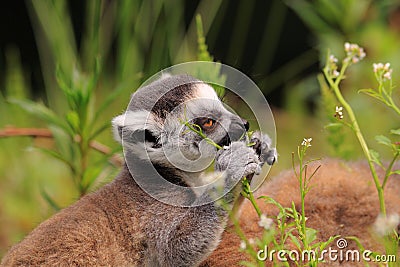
{"points": [[271, 156], [262, 146], [236, 157], [252, 168]]}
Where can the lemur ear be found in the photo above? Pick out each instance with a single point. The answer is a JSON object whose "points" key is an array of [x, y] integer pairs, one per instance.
{"points": [[138, 125], [117, 125]]}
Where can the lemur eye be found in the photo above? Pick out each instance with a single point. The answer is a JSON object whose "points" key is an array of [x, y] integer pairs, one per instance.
{"points": [[207, 124]]}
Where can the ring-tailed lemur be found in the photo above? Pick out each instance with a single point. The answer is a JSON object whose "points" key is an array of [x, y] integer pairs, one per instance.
{"points": [[122, 224]]}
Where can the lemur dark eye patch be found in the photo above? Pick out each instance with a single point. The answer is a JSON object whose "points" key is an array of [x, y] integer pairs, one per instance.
{"points": [[149, 137], [145, 135]]}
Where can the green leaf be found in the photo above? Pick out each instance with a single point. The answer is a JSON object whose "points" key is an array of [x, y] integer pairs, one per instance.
{"points": [[42, 112], [311, 235], [270, 200], [323, 245], [110, 98], [61, 78], [99, 130], [73, 120], [367, 91], [55, 155], [89, 177], [381, 139], [395, 172], [371, 93], [295, 241], [375, 157], [66, 146], [49, 200], [397, 132], [202, 50], [94, 77], [336, 125], [295, 213]]}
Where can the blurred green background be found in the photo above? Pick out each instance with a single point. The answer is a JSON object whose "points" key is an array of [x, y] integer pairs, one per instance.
{"points": [[83, 59]]}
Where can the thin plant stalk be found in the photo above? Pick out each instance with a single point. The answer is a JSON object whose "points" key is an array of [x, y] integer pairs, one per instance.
{"points": [[389, 169], [334, 84], [247, 193]]}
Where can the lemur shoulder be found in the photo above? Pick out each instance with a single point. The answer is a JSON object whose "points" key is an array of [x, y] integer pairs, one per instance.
{"points": [[121, 224]]}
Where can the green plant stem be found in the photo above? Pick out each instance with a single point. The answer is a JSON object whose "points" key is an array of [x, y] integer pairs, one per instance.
{"points": [[355, 127], [250, 196], [84, 165], [389, 169], [301, 153], [393, 106], [303, 220], [193, 127], [83, 149], [243, 237], [386, 97]]}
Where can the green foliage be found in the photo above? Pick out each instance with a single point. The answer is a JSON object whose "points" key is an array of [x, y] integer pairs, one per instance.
{"points": [[74, 117], [77, 74], [383, 73], [74, 130], [212, 74], [336, 134], [202, 49], [325, 16], [289, 224], [122, 43]]}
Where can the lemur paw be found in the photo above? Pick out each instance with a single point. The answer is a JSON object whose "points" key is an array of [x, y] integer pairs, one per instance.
{"points": [[238, 160], [262, 146]]}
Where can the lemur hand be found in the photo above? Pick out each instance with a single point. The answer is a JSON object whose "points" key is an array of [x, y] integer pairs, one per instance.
{"points": [[238, 160], [262, 146]]}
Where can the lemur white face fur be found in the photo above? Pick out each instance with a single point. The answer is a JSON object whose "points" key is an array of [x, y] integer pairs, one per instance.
{"points": [[152, 130]]}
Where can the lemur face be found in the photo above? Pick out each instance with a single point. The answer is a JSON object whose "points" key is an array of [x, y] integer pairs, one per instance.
{"points": [[153, 127]]}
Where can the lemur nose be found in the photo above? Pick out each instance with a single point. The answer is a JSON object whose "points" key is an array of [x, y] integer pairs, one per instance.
{"points": [[246, 124]]}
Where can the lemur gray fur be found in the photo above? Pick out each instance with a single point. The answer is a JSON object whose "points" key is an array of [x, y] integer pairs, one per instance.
{"points": [[120, 224]]}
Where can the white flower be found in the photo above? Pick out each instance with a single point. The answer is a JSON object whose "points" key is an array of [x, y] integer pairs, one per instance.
{"points": [[377, 66], [332, 66], [354, 52], [265, 222], [387, 75], [335, 73], [339, 112], [346, 47], [306, 142], [243, 245], [383, 70], [385, 224], [333, 59]]}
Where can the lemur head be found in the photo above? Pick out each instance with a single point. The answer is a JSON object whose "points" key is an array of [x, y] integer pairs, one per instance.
{"points": [[153, 125], [154, 122]]}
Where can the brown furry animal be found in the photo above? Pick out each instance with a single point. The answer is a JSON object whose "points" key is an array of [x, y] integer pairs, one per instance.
{"points": [[343, 201], [161, 209]]}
